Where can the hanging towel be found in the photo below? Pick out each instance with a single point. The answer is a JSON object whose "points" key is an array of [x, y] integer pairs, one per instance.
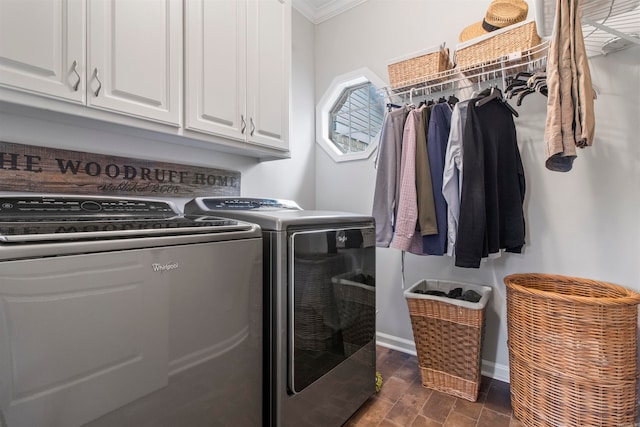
{"points": [[570, 116]]}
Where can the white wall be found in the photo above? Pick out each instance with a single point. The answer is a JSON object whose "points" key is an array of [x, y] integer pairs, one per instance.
{"points": [[582, 223], [293, 179], [288, 178]]}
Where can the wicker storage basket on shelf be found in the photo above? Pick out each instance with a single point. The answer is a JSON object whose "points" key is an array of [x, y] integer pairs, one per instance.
{"points": [[512, 39], [315, 316], [405, 72], [448, 336], [355, 296], [572, 351]]}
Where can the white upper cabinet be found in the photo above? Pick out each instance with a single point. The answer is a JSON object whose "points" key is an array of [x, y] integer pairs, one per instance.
{"points": [[135, 50], [216, 67], [121, 61], [134, 53], [42, 47], [238, 62], [268, 72]]}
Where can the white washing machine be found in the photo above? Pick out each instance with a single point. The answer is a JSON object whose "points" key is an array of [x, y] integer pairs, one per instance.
{"points": [[121, 312]]}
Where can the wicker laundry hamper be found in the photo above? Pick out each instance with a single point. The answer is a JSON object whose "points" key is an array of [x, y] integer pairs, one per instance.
{"points": [[355, 296], [316, 319], [573, 348], [448, 334]]}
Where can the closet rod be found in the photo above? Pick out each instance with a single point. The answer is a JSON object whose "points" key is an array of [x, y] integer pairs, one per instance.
{"points": [[531, 59]]}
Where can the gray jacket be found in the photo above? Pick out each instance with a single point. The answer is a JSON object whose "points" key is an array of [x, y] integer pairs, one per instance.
{"points": [[386, 195]]}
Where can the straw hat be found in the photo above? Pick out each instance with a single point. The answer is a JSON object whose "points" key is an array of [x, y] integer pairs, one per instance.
{"points": [[500, 14]]}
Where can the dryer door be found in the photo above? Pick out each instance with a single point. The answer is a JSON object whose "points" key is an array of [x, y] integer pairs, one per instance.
{"points": [[331, 300]]}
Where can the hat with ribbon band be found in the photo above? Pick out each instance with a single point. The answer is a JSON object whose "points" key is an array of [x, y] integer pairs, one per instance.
{"points": [[500, 14]]}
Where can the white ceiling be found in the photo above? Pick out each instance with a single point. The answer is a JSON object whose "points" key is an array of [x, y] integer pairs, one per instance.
{"points": [[317, 11]]}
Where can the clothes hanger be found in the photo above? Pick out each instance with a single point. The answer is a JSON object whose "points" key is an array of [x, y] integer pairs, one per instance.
{"points": [[535, 83], [523, 74], [411, 104], [390, 106], [540, 85], [493, 94], [514, 83], [496, 94], [522, 95], [517, 90]]}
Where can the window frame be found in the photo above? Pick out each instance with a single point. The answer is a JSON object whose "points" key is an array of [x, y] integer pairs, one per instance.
{"points": [[327, 103]]}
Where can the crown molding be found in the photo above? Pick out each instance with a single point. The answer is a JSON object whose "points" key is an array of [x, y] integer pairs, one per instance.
{"points": [[329, 9]]}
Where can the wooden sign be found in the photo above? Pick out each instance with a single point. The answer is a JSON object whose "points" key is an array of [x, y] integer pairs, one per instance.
{"points": [[27, 168]]}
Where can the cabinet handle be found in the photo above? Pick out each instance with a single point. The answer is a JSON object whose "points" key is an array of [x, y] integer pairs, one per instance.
{"points": [[74, 68], [253, 126], [244, 124], [97, 92]]}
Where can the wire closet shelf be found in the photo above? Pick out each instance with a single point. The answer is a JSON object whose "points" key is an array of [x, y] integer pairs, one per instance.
{"points": [[607, 25], [493, 71]]}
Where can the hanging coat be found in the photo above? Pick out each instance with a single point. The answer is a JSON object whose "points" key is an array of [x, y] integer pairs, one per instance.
{"points": [[570, 116], [493, 186], [386, 194], [406, 237], [439, 126]]}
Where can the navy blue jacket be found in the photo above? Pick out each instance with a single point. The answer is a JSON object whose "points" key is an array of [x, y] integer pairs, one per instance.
{"points": [[438, 136]]}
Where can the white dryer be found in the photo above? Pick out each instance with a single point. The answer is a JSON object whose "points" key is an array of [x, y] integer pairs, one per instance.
{"points": [[319, 275]]}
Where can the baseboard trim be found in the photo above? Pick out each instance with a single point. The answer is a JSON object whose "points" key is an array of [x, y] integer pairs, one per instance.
{"points": [[396, 343], [494, 370]]}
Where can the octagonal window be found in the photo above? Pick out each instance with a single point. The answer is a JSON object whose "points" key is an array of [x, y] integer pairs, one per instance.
{"points": [[350, 115], [356, 118]]}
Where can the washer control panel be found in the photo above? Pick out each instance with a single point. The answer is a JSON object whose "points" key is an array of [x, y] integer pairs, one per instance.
{"points": [[65, 206]]}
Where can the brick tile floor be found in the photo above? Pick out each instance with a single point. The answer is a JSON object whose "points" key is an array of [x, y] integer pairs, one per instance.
{"points": [[404, 402]]}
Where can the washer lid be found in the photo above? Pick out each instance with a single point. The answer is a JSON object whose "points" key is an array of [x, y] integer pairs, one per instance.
{"points": [[201, 205], [54, 218]]}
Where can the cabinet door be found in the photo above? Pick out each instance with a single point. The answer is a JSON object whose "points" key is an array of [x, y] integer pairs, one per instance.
{"points": [[135, 51], [269, 72], [216, 67], [40, 40]]}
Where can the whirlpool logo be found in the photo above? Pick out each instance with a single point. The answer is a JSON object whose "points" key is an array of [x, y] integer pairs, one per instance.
{"points": [[164, 267]]}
